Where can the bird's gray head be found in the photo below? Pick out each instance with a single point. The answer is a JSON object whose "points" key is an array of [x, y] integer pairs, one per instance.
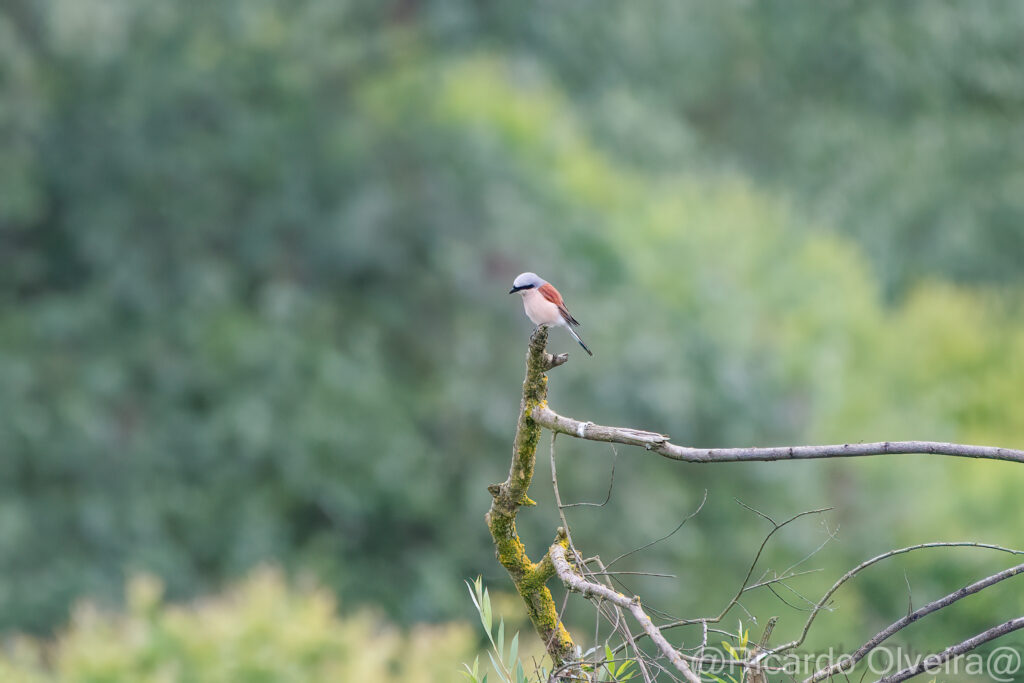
{"points": [[526, 281]]}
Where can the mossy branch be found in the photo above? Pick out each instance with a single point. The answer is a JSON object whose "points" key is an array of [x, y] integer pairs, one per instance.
{"points": [[530, 578]]}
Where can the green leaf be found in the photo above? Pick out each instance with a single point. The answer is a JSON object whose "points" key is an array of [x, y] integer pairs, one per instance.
{"points": [[513, 650], [608, 669], [485, 611], [501, 641], [472, 674], [472, 596], [498, 669]]}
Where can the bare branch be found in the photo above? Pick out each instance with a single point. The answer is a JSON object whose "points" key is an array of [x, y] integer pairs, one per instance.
{"points": [[910, 594], [703, 644], [847, 662], [654, 574], [776, 526], [757, 512], [786, 602], [797, 594], [558, 496], [878, 558], [753, 564], [554, 361], [668, 535], [573, 581], [618, 622], [830, 536], [611, 484], [660, 444], [930, 662], [780, 578]]}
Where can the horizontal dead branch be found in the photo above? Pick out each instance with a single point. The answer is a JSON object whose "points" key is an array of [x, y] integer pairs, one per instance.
{"points": [[659, 443]]}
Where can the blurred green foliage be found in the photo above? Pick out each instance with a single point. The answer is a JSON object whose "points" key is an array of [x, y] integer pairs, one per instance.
{"points": [[254, 256], [261, 630]]}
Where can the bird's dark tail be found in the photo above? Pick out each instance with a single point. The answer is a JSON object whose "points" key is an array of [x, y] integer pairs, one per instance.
{"points": [[577, 338]]}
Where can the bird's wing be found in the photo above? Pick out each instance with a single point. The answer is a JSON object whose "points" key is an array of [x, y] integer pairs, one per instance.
{"points": [[552, 295]]}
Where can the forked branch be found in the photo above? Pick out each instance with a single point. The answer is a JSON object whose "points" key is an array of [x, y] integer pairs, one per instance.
{"points": [[575, 582], [530, 577]]}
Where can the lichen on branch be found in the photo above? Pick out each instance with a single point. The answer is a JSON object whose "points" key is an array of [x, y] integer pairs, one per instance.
{"points": [[529, 577]]}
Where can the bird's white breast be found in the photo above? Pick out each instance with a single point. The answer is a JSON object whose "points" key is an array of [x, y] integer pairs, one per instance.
{"points": [[540, 310]]}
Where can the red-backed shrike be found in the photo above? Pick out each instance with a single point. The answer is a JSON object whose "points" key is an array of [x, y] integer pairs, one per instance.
{"points": [[544, 305]]}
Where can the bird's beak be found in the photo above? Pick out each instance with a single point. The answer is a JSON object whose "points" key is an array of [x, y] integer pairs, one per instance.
{"points": [[514, 290]]}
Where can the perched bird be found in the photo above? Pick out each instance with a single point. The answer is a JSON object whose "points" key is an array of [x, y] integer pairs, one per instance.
{"points": [[544, 305]]}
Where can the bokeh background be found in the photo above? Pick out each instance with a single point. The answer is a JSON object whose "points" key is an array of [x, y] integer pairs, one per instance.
{"points": [[258, 363]]}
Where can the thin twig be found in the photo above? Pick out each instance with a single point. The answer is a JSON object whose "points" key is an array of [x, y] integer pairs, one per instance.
{"points": [[558, 496], [778, 579], [611, 483], [756, 512], [654, 574], [619, 624], [910, 594], [666, 536], [797, 594], [829, 537], [760, 550], [735, 601], [786, 602], [573, 581]]}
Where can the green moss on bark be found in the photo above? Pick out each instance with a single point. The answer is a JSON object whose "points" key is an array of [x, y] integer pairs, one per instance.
{"points": [[529, 578]]}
